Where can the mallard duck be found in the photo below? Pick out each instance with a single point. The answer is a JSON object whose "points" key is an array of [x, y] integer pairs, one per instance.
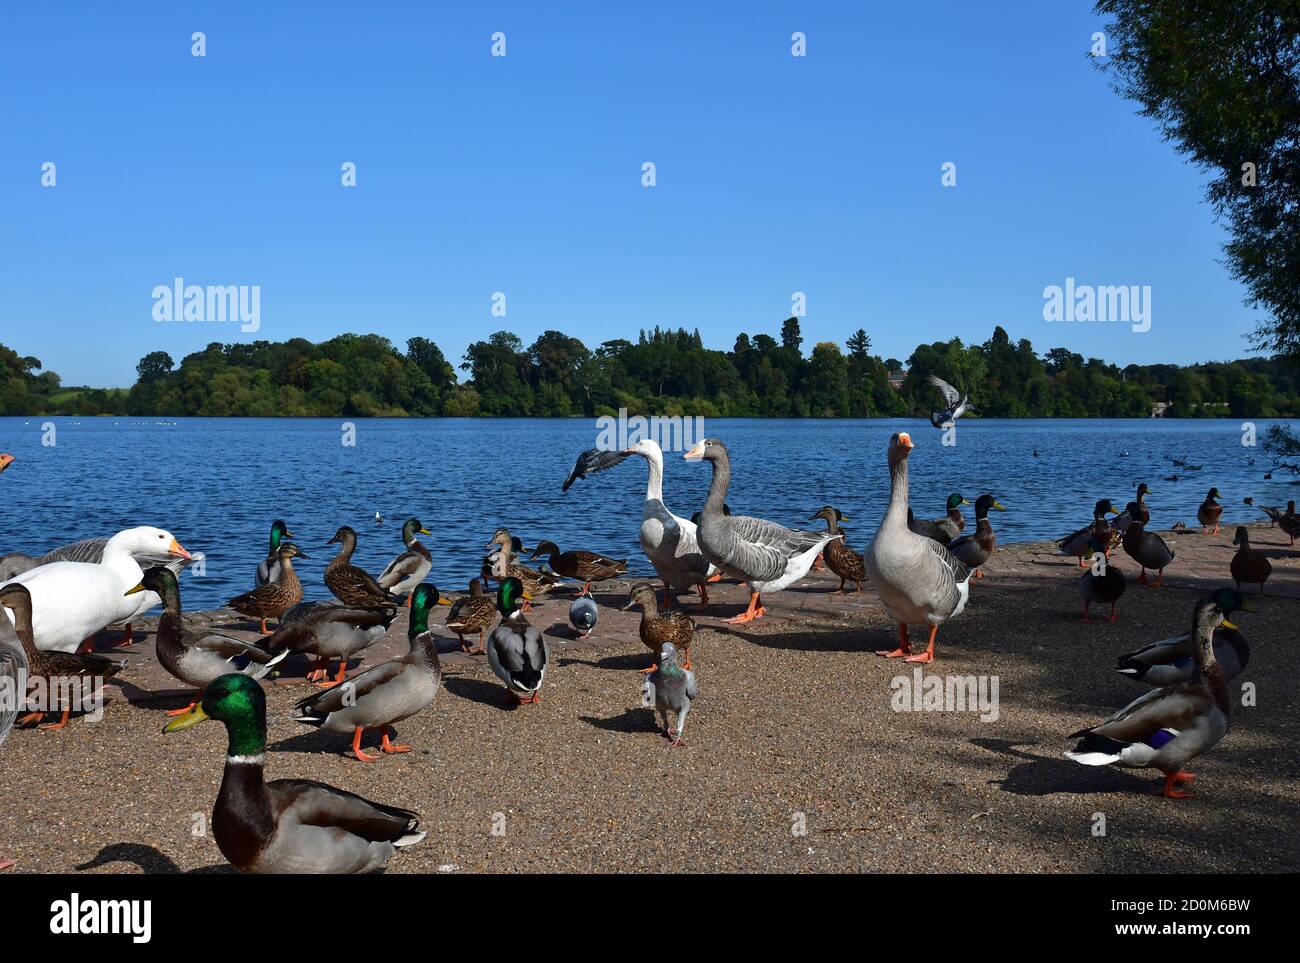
{"points": [[1210, 512], [1170, 661], [1168, 727], [1143, 513], [196, 658], [352, 585], [72, 601], [387, 693], [1249, 565], [670, 688], [272, 600], [331, 630], [975, 549], [472, 613], [766, 555], [927, 529], [516, 651], [1146, 548], [919, 581], [1079, 542], [583, 614], [1103, 584], [55, 669], [579, 564], [410, 568], [289, 825], [1290, 522], [840, 559], [953, 522], [268, 569], [954, 404], [501, 555], [658, 628], [504, 563]]}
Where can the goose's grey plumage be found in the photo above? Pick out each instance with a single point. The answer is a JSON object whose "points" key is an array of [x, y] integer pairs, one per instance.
{"points": [[670, 689], [920, 582], [1168, 727], [954, 404], [13, 677], [516, 651], [765, 555]]}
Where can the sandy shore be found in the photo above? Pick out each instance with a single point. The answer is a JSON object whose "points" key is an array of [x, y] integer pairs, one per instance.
{"points": [[795, 760]]}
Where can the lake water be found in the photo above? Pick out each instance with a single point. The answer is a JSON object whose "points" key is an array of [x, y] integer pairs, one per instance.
{"points": [[218, 483]]}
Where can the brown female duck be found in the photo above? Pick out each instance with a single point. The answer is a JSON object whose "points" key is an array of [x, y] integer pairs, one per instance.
{"points": [[586, 566], [272, 600], [472, 613], [660, 627], [1249, 565], [1210, 512], [352, 585], [841, 559]]}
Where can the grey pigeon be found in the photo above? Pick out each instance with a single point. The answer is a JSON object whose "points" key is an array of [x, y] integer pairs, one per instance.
{"points": [[670, 688], [583, 614], [954, 404]]}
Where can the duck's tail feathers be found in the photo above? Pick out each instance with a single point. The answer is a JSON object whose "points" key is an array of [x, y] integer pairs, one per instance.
{"points": [[410, 837], [1095, 750]]}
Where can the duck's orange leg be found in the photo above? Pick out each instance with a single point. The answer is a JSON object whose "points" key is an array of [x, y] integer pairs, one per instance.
{"points": [[338, 678], [1170, 790], [928, 655], [755, 611], [387, 746], [904, 646], [356, 747], [5, 863], [63, 721], [1113, 616]]}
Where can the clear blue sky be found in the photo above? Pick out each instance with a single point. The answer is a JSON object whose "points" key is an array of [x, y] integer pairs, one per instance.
{"points": [[523, 174]]}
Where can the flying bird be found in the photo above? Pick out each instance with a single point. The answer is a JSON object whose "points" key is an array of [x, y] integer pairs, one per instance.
{"points": [[591, 461], [956, 405]]}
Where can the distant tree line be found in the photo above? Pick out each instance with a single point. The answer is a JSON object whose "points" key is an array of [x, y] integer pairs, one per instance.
{"points": [[663, 372]]}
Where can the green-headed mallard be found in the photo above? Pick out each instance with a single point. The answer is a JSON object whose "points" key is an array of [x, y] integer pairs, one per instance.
{"points": [[769, 557], [1210, 512], [268, 570], [289, 825], [974, 549], [920, 582], [272, 600], [196, 658], [586, 567], [658, 628], [1146, 548], [927, 529], [350, 584], [471, 614], [331, 630], [1168, 727], [387, 693], [55, 668], [516, 651], [841, 559], [1170, 661], [410, 568], [1079, 542], [953, 522], [1248, 565]]}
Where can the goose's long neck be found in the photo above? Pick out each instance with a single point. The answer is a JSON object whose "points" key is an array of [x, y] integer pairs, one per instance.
{"points": [[654, 486], [896, 513], [718, 486]]}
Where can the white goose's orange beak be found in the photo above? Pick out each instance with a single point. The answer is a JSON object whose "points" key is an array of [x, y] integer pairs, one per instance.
{"points": [[175, 549], [694, 453], [905, 441]]}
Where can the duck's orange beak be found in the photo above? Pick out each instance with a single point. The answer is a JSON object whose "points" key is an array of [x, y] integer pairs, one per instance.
{"points": [[905, 441], [175, 549]]}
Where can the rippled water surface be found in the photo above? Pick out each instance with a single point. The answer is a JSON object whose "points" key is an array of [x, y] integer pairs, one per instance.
{"points": [[218, 483]]}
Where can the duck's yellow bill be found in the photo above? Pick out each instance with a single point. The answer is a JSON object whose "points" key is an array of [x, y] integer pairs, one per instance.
{"points": [[443, 601], [191, 718], [132, 591], [424, 531], [528, 596], [844, 518], [1228, 625], [998, 505]]}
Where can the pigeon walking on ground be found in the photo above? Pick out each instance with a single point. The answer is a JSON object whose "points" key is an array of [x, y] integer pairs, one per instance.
{"points": [[954, 404], [670, 688]]}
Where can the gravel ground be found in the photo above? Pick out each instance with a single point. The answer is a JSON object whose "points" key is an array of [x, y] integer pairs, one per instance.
{"points": [[795, 760]]}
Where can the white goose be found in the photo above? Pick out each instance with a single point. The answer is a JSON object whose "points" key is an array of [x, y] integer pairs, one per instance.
{"points": [[920, 582], [669, 541], [766, 555], [71, 601]]}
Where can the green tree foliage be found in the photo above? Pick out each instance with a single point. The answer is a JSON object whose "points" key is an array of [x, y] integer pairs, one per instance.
{"points": [[1222, 82], [665, 371]]}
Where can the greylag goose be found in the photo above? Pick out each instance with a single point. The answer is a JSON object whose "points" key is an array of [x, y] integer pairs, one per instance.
{"points": [[764, 554], [920, 582]]}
